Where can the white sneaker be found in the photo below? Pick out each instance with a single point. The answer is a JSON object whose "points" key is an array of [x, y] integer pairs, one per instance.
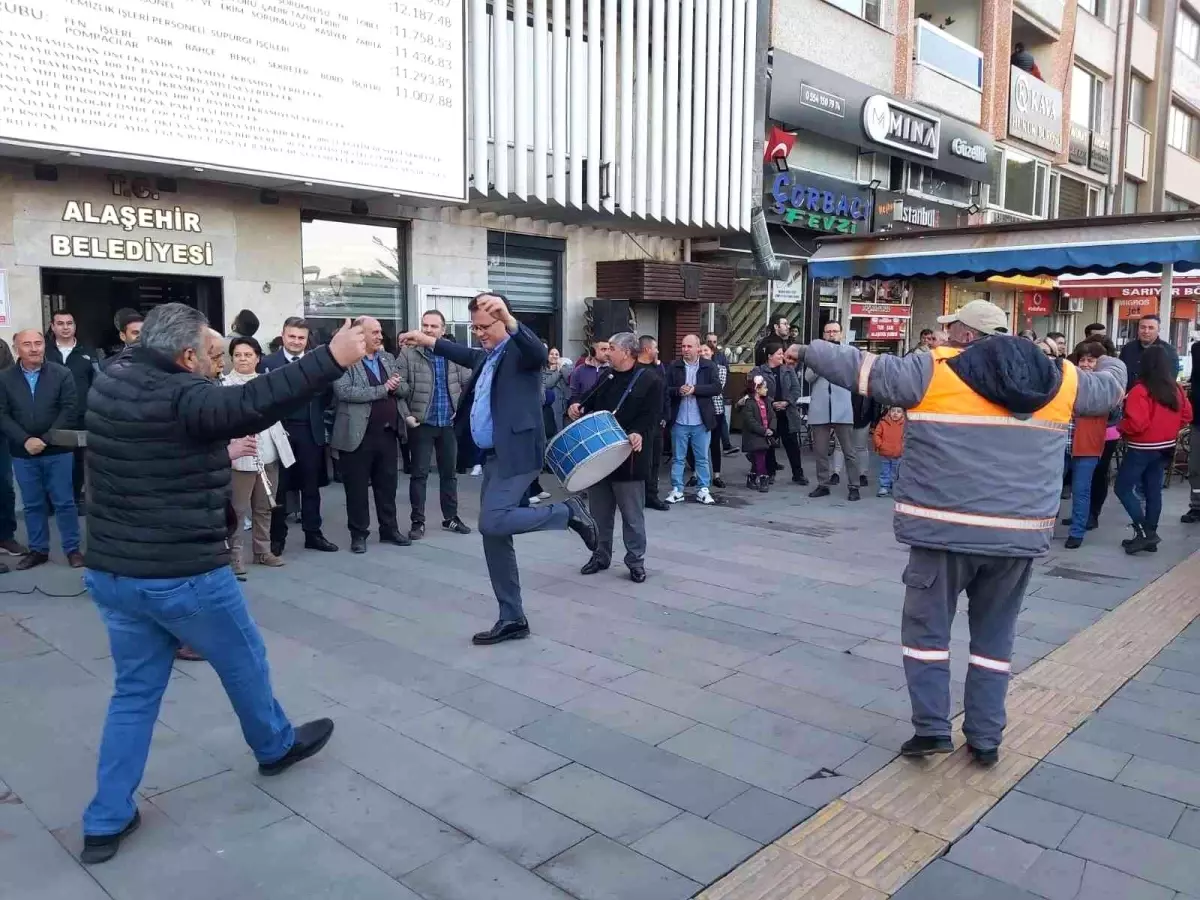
{"points": [[477, 471], [534, 501], [544, 495], [675, 497], [703, 496]]}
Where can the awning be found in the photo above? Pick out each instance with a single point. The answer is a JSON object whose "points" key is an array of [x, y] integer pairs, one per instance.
{"points": [[1114, 244], [1022, 282]]}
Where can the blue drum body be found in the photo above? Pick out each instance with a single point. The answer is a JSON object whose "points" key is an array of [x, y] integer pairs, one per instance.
{"points": [[588, 450]]}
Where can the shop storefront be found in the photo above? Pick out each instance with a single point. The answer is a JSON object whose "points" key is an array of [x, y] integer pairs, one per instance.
{"points": [[1125, 299]]}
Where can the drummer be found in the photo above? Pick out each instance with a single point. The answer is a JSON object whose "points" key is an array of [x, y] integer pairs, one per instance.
{"points": [[634, 395]]}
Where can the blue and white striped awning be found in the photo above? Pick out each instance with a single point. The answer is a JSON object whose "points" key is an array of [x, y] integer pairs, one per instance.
{"points": [[1097, 245]]}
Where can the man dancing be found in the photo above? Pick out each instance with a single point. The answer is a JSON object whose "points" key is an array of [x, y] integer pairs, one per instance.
{"points": [[634, 395]]}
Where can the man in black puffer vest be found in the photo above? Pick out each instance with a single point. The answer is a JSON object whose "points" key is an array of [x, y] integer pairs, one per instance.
{"points": [[158, 554]]}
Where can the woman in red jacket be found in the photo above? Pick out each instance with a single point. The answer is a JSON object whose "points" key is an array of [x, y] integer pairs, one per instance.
{"points": [[1155, 411]]}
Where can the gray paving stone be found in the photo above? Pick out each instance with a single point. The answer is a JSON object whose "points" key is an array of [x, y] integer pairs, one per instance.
{"points": [[866, 762], [944, 879], [628, 715], [499, 706], [761, 815], [1137, 853], [1102, 883], [1148, 674], [1179, 659], [1162, 779], [1188, 829], [220, 809], [820, 790], [383, 829], [695, 847], [678, 697], [803, 675], [1180, 681], [1161, 696], [659, 773], [601, 869], [741, 759], [798, 739], [1032, 819], [602, 804], [1086, 793], [34, 865], [1055, 876], [994, 854], [475, 872], [1140, 742], [840, 718], [1091, 759], [1153, 718]]}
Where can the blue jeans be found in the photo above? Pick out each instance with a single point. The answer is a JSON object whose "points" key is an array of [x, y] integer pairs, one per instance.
{"points": [[147, 619], [51, 474], [889, 471], [1082, 468], [1144, 469], [698, 438], [8, 498]]}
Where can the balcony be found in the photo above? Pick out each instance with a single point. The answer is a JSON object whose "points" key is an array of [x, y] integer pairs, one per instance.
{"points": [[948, 74], [1143, 49], [1045, 15], [1095, 42], [1137, 152], [1182, 177], [1186, 79]]}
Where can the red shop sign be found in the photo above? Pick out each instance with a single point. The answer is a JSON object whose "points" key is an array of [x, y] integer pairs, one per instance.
{"points": [[886, 328], [888, 310], [1037, 303]]}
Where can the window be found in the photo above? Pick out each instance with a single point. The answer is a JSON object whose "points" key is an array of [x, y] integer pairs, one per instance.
{"points": [[870, 10], [1095, 201], [1087, 99], [1187, 35], [1130, 195], [939, 185], [1098, 8], [948, 55], [1020, 183], [1142, 8], [1175, 204], [1137, 100], [528, 271], [1183, 131]]}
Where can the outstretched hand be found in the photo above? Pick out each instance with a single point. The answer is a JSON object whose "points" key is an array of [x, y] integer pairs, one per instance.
{"points": [[349, 345], [416, 339]]}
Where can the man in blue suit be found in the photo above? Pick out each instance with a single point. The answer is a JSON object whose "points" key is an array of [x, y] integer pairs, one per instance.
{"points": [[501, 412]]}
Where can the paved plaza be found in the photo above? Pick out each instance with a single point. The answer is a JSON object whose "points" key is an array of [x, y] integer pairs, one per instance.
{"points": [[645, 741]]}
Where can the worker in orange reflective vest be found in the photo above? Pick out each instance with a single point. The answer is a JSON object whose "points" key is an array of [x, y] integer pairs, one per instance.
{"points": [[976, 500]]}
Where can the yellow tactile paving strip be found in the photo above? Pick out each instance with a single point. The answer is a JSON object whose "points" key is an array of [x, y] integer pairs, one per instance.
{"points": [[867, 844]]}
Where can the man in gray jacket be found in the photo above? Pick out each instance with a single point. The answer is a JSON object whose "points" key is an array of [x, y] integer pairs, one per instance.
{"points": [[831, 413], [366, 434], [430, 387]]}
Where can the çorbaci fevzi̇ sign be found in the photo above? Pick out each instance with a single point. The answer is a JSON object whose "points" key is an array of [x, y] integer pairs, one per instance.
{"points": [[172, 219]]}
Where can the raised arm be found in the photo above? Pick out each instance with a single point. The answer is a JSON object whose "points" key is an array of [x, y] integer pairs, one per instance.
{"points": [[892, 380], [1102, 389], [465, 356]]}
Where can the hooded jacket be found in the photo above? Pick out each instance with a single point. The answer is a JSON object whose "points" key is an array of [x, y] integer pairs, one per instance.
{"points": [[985, 439]]}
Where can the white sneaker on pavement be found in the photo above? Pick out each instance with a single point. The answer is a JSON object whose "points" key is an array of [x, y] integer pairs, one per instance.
{"points": [[675, 497], [544, 495], [476, 471], [703, 496]]}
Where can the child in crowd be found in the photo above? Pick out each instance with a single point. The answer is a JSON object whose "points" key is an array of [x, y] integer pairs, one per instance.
{"points": [[1084, 449], [889, 444], [758, 429]]}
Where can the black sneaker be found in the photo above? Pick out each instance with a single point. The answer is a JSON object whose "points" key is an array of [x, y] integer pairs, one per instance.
{"points": [[456, 525], [862, 481], [637, 574], [718, 481], [985, 758], [358, 545], [853, 494], [1073, 543], [311, 738], [800, 479], [98, 848], [835, 478], [417, 531], [582, 523], [502, 631], [1191, 517], [923, 745], [692, 482], [819, 491]]}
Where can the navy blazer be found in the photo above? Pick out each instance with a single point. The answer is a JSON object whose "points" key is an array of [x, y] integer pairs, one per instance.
{"points": [[316, 406], [708, 385], [517, 429]]}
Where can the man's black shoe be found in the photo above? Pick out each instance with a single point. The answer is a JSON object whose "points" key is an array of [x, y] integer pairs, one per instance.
{"points": [[1073, 543], [637, 574], [31, 560], [656, 503], [1068, 520], [456, 525], [835, 478], [862, 481], [316, 541], [853, 494], [800, 479], [922, 745], [98, 848], [417, 531], [1191, 517], [819, 491], [582, 523], [594, 565], [276, 549], [718, 482], [358, 545], [985, 758], [1092, 523], [692, 482], [394, 537], [502, 631], [311, 737]]}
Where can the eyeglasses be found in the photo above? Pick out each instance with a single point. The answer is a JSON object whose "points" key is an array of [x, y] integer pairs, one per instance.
{"points": [[480, 329]]}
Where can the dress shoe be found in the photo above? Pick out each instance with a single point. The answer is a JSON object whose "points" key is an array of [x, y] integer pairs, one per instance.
{"points": [[417, 531], [835, 478], [1191, 517], [31, 560], [358, 545], [75, 559], [862, 481], [637, 574], [12, 548], [269, 559], [394, 537], [853, 494], [187, 654], [581, 522], [456, 525], [276, 549], [985, 758], [502, 631], [594, 565], [318, 541], [656, 503], [924, 745], [98, 848], [730, 451], [1073, 543], [718, 482], [311, 737], [819, 491], [800, 479]]}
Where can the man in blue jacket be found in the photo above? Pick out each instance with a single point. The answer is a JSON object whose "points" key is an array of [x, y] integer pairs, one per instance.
{"points": [[501, 411]]}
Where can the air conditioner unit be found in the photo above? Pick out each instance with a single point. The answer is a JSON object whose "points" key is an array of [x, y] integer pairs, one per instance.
{"points": [[1070, 304]]}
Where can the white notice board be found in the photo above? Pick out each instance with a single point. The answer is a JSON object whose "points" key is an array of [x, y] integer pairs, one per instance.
{"points": [[369, 94]]}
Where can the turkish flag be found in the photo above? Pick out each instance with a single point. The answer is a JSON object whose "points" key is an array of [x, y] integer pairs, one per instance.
{"points": [[779, 144]]}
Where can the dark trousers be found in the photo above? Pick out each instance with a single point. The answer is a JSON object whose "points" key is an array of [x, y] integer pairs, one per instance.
{"points": [[424, 441], [790, 442], [1100, 478], [1144, 469], [654, 453], [303, 476], [371, 469], [8, 497]]}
